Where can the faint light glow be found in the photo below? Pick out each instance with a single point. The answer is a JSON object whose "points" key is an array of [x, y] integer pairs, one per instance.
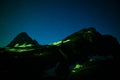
{"points": [[40, 54], [73, 71], [23, 45], [77, 67], [66, 41], [91, 60], [59, 42], [18, 50], [16, 45]]}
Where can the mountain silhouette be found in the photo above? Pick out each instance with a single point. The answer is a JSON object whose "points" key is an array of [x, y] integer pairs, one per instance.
{"points": [[83, 55], [23, 39]]}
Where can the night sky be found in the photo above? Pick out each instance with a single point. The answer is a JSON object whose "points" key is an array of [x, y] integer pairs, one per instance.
{"points": [[48, 21]]}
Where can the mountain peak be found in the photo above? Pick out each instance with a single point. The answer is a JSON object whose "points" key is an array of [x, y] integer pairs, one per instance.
{"points": [[23, 33], [22, 38]]}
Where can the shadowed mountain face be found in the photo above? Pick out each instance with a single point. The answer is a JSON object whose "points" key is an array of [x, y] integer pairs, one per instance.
{"points": [[93, 55], [23, 39]]}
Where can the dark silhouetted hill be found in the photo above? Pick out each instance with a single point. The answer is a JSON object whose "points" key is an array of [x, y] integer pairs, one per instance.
{"points": [[23, 38]]}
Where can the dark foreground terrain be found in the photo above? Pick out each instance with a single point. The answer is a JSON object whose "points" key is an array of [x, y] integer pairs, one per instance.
{"points": [[83, 55]]}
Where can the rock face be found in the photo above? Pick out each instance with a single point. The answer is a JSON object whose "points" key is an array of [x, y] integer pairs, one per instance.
{"points": [[23, 39]]}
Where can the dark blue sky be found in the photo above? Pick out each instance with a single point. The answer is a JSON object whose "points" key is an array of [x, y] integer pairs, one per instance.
{"points": [[48, 21]]}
